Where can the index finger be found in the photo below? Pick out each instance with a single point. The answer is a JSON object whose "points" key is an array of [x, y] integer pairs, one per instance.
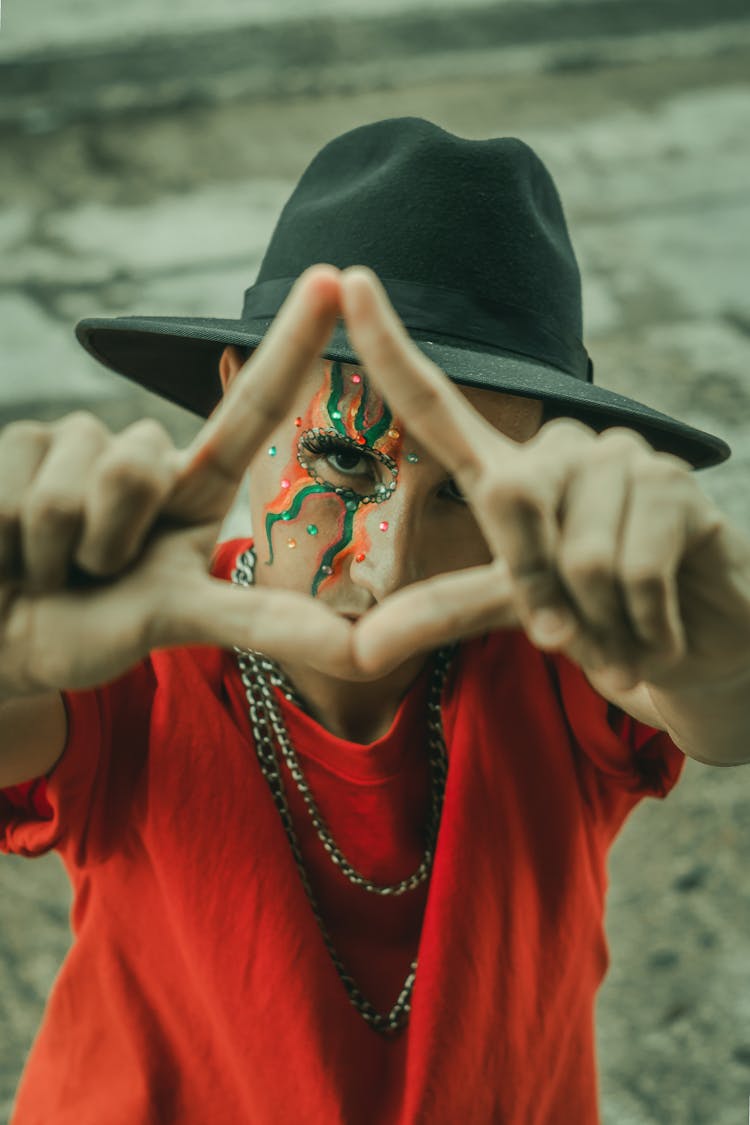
{"points": [[213, 464], [432, 407]]}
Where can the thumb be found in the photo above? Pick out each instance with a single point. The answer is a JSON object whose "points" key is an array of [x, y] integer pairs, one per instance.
{"points": [[283, 624]]}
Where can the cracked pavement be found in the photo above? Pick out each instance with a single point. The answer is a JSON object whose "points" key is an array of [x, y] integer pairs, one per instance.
{"points": [[168, 213]]}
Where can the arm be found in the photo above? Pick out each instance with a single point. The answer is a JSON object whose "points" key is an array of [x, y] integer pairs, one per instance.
{"points": [[33, 732], [710, 721], [703, 701], [602, 548]]}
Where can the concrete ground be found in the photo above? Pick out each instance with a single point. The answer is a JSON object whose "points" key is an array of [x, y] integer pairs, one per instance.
{"points": [[168, 212]]}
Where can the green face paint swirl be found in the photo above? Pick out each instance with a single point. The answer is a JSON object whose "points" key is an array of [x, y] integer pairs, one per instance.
{"points": [[336, 396], [291, 511], [347, 408], [377, 429], [327, 560]]}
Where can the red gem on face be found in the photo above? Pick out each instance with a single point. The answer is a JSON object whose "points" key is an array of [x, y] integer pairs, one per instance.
{"points": [[361, 439], [359, 558], [298, 421]]}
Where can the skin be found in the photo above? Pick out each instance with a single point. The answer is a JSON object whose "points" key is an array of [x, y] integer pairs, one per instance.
{"points": [[600, 547], [431, 530]]}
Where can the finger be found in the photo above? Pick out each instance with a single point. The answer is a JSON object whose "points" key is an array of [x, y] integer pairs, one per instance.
{"points": [[285, 625], [52, 514], [129, 483], [211, 468], [435, 411], [518, 508], [653, 544], [425, 615], [592, 518], [23, 447]]}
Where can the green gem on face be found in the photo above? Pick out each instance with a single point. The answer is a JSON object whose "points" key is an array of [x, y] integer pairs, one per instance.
{"points": [[412, 458], [336, 414], [272, 451], [312, 529]]}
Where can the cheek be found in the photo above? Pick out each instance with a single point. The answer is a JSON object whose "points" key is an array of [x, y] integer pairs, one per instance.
{"points": [[304, 533]]}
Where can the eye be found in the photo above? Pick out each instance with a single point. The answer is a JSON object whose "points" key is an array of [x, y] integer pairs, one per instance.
{"points": [[341, 456]]}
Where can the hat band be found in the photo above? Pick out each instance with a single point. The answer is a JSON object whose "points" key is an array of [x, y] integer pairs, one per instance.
{"points": [[448, 313]]}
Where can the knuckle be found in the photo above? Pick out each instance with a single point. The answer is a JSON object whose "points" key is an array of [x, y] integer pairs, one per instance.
{"points": [[622, 437], [569, 431], [128, 474], [643, 579], [82, 423], [25, 430], [49, 505], [664, 468], [150, 429], [587, 563]]}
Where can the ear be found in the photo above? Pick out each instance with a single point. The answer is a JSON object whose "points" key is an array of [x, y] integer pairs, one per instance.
{"points": [[229, 364]]}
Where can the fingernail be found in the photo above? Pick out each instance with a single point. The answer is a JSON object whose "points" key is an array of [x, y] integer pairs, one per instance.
{"points": [[549, 624]]}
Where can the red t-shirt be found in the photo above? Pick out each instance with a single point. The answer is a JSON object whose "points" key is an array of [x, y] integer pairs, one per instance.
{"points": [[198, 989]]}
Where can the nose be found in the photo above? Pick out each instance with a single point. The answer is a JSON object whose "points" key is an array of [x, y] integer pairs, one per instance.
{"points": [[391, 555]]}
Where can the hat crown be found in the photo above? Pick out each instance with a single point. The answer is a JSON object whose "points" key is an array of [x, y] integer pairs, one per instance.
{"points": [[417, 204]]}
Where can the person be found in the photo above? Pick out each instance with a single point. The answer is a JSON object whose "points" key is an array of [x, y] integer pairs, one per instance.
{"points": [[336, 798]]}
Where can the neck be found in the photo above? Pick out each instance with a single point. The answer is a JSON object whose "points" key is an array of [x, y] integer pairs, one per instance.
{"points": [[357, 712]]}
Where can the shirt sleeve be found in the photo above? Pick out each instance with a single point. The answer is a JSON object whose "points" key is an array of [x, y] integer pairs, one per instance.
{"points": [[79, 806], [623, 759], [82, 805]]}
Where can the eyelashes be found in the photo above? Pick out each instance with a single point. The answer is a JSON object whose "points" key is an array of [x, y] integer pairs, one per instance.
{"points": [[326, 445]]}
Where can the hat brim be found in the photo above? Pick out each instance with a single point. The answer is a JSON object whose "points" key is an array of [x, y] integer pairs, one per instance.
{"points": [[178, 359]]}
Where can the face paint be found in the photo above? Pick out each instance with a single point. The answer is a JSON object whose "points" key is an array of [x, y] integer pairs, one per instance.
{"points": [[344, 419]]}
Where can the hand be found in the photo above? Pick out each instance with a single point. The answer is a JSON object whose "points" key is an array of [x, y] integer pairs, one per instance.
{"points": [[138, 520], [603, 549]]}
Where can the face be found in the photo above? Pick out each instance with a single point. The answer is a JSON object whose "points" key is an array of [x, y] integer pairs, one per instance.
{"points": [[346, 506]]}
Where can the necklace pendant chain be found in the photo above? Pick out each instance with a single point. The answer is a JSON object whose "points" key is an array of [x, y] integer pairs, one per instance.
{"points": [[259, 674]]}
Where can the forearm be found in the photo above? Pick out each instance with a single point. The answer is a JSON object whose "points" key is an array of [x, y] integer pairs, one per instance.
{"points": [[33, 731], [709, 723]]}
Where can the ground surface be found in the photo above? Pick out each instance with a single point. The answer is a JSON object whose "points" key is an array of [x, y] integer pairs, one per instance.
{"points": [[169, 213]]}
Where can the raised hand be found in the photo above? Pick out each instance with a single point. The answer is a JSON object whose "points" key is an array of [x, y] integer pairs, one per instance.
{"points": [[603, 548], [105, 539]]}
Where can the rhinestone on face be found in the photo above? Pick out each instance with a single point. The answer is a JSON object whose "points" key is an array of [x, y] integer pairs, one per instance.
{"points": [[394, 434], [286, 516], [291, 543], [272, 451], [356, 378], [351, 505], [336, 414], [286, 483], [361, 439], [312, 529], [383, 525], [360, 557], [412, 458], [327, 569], [298, 421]]}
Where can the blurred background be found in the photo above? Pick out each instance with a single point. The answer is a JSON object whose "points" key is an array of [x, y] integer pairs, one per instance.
{"points": [[146, 150]]}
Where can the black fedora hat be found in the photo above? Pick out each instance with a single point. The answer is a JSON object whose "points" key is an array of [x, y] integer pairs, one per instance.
{"points": [[470, 241]]}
